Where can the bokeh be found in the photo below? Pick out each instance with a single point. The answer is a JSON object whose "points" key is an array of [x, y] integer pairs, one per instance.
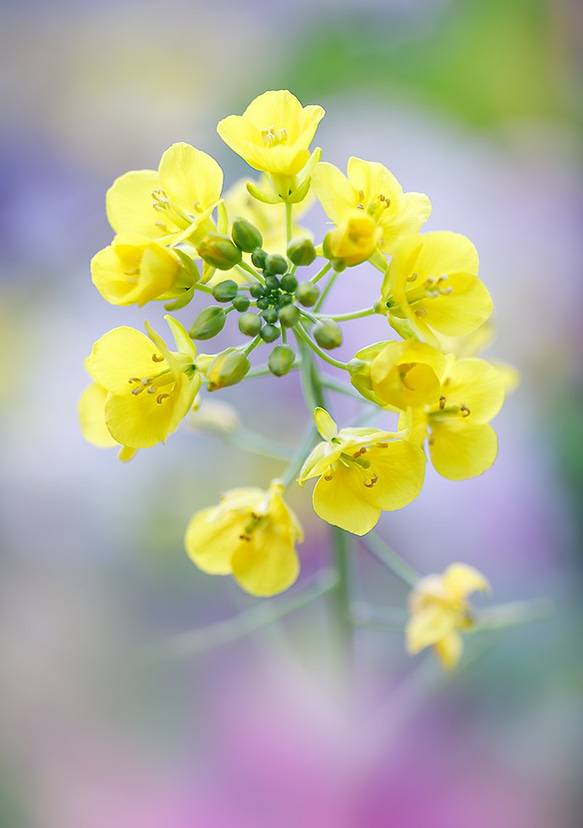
{"points": [[471, 101]]}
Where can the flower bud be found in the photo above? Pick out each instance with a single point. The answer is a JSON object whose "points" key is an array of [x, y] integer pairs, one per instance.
{"points": [[219, 251], [228, 368], [208, 323], [307, 294], [269, 333], [271, 282], [270, 315], [281, 359], [276, 263], [289, 316], [245, 235], [352, 242], [256, 290], [249, 324], [289, 282], [327, 334], [301, 251], [258, 258], [241, 302], [225, 291]]}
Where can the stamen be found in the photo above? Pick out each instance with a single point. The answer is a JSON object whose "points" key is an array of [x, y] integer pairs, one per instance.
{"points": [[465, 411], [442, 402], [161, 397], [156, 358], [373, 480], [329, 475], [413, 277]]}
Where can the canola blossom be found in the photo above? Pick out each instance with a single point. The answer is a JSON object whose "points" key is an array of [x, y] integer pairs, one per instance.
{"points": [[254, 272]]}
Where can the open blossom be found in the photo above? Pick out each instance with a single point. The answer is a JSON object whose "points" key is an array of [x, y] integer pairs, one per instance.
{"points": [[93, 425], [251, 534], [362, 472], [462, 443], [174, 203], [149, 389], [371, 189], [274, 132], [432, 283], [440, 612], [354, 240]]}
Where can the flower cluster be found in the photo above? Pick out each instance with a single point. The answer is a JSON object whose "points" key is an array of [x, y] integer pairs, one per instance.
{"points": [[179, 237]]}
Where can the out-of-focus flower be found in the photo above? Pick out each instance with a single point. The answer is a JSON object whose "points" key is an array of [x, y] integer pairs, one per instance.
{"points": [[149, 388], [373, 190], [440, 611], [173, 203], [362, 472], [432, 282], [251, 534]]}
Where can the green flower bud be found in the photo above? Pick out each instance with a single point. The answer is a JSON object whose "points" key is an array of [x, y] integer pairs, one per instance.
{"points": [[281, 359], [227, 368], [307, 294], [359, 370], [338, 265], [263, 303], [258, 258], [289, 282], [327, 334], [256, 291], [284, 299], [289, 316], [276, 263], [301, 251], [269, 333], [245, 235], [225, 291], [241, 302], [208, 323], [219, 251], [249, 324], [270, 315], [272, 282]]}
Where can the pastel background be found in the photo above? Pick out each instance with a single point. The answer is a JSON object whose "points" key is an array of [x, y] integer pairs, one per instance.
{"points": [[472, 101]]}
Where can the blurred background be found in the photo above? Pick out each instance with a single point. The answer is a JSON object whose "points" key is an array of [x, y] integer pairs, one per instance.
{"points": [[471, 101]]}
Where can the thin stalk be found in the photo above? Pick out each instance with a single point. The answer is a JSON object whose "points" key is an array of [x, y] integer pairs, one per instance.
{"points": [[247, 269], [299, 457], [326, 291], [204, 288], [344, 317], [288, 221], [385, 555], [301, 333], [513, 614], [321, 273], [250, 441]]}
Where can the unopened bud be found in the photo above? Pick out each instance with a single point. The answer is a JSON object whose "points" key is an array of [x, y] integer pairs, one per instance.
{"points": [[208, 323], [289, 282], [270, 315], [301, 251], [272, 282], [289, 316], [227, 368], [225, 291], [307, 294], [276, 263], [327, 334], [245, 235], [281, 359], [258, 258], [269, 333], [241, 302], [219, 251], [249, 324]]}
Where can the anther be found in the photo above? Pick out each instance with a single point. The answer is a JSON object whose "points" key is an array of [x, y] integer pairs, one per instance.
{"points": [[161, 397], [413, 277], [328, 476], [373, 480], [156, 358], [465, 411], [442, 402]]}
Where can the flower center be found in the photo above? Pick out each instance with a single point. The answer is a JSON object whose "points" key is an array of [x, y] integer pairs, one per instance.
{"points": [[171, 214], [272, 137], [153, 384]]}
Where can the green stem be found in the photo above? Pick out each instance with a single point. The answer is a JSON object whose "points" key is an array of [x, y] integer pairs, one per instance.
{"points": [[347, 390], [326, 291], [261, 615], [385, 555], [204, 288], [244, 268], [263, 371], [299, 457], [288, 221], [250, 441], [252, 345], [321, 273], [371, 618], [513, 614], [301, 333], [343, 317]]}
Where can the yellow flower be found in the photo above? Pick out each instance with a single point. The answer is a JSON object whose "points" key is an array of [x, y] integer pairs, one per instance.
{"points": [[353, 241], [274, 133], [251, 535], [174, 203], [432, 282], [462, 444], [440, 610], [136, 269], [363, 472], [374, 191], [399, 375], [149, 389], [92, 418]]}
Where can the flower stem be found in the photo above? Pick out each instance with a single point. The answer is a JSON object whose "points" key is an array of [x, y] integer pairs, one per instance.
{"points": [[301, 333], [321, 273], [288, 221], [245, 268], [385, 555], [326, 291], [343, 317]]}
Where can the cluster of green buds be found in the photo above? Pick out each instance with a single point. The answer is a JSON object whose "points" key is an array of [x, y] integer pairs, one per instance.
{"points": [[179, 239]]}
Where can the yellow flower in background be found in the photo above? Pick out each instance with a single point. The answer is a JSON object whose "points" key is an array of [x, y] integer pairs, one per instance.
{"points": [[149, 389], [251, 535], [353, 241], [134, 269], [374, 191], [92, 418], [440, 611], [274, 133], [362, 472], [462, 444], [432, 282], [173, 203]]}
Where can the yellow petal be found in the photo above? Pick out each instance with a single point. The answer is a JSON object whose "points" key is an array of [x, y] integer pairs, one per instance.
{"points": [[400, 468], [342, 501], [427, 627], [372, 179], [129, 204], [191, 179], [92, 416], [319, 461], [444, 253], [334, 191], [477, 385], [460, 580], [449, 650], [406, 374], [121, 354], [413, 214], [325, 424], [210, 542], [267, 564], [459, 450], [460, 312]]}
